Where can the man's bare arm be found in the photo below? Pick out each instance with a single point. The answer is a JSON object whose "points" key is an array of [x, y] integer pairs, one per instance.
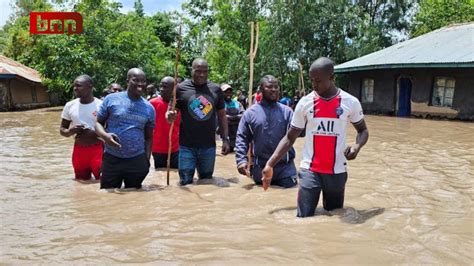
{"points": [[361, 139]]}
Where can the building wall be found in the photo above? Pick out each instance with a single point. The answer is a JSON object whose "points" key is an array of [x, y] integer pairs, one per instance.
{"points": [[21, 92], [4, 94], [385, 91], [464, 94], [41, 94]]}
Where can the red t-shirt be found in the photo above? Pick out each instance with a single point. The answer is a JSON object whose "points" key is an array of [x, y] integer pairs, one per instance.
{"points": [[162, 128]]}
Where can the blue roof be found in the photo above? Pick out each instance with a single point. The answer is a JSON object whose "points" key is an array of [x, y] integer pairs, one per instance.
{"points": [[451, 46]]}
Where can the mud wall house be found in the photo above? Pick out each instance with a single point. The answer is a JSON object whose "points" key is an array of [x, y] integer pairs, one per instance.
{"points": [[429, 76], [20, 87]]}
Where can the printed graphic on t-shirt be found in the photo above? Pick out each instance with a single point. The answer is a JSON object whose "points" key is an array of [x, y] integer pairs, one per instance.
{"points": [[326, 127], [200, 108]]}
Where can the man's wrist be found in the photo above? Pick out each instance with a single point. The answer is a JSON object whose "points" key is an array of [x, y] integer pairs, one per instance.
{"points": [[270, 163], [224, 139]]}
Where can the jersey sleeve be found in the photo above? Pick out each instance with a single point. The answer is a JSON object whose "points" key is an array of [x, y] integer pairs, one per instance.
{"points": [[356, 113], [65, 114], [299, 116]]}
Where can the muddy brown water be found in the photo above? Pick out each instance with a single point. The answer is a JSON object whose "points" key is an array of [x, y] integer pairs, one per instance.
{"points": [[408, 200]]}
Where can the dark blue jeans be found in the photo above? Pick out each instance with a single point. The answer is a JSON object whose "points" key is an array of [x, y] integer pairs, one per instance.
{"points": [[311, 185], [190, 159]]}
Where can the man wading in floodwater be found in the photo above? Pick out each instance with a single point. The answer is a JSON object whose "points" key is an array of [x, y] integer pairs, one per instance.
{"points": [[325, 113], [81, 112], [264, 124], [162, 128], [130, 121], [201, 103]]}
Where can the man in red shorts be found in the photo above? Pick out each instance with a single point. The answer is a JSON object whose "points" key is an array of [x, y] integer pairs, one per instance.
{"points": [[78, 118], [161, 132], [325, 113]]}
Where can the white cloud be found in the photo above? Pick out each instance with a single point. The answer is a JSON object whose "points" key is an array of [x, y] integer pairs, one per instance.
{"points": [[5, 11]]}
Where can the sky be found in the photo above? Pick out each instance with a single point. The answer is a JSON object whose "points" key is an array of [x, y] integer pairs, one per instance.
{"points": [[150, 7]]}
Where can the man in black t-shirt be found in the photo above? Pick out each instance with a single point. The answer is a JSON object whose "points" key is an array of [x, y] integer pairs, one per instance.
{"points": [[201, 103]]}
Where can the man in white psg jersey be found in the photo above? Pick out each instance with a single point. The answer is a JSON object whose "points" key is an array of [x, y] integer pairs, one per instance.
{"points": [[325, 112]]}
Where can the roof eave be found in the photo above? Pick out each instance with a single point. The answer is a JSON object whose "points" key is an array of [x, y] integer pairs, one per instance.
{"points": [[398, 66]]}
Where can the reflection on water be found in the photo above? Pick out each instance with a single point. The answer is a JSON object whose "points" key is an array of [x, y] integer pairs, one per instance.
{"points": [[408, 200]]}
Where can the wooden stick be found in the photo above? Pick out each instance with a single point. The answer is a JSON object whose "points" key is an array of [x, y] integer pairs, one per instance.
{"points": [[252, 54], [301, 78], [251, 64], [173, 104]]}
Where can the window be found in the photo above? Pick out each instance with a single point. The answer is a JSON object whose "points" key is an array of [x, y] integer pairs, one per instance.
{"points": [[367, 90], [443, 92]]}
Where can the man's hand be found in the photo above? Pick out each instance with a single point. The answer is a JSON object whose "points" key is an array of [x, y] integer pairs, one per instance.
{"points": [[352, 151], [225, 147], [243, 170], [267, 174], [113, 140], [171, 116], [77, 129]]}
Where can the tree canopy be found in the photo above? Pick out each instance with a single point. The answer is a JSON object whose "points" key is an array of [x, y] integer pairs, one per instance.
{"points": [[292, 33]]}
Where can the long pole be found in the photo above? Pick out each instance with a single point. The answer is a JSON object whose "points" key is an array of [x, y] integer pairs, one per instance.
{"points": [[173, 104], [254, 29], [252, 54], [301, 78]]}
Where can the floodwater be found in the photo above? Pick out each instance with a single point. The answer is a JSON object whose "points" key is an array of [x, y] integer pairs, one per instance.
{"points": [[408, 200]]}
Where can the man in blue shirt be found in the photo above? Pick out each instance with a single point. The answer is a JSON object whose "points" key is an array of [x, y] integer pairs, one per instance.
{"points": [[130, 121], [234, 111], [264, 124], [285, 100]]}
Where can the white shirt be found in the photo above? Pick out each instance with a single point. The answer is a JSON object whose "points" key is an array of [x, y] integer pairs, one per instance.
{"points": [[81, 114], [326, 123]]}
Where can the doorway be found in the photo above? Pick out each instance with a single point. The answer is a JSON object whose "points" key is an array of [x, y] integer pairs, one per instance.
{"points": [[404, 97]]}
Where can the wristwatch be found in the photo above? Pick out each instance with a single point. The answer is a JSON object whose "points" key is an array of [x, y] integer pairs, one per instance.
{"points": [[226, 138]]}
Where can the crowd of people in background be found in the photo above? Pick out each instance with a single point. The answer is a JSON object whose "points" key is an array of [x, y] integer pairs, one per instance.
{"points": [[115, 136]]}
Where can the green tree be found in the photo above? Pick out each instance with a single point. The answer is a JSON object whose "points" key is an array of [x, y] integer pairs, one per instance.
{"points": [[138, 6], [434, 14], [104, 52], [291, 33], [165, 28]]}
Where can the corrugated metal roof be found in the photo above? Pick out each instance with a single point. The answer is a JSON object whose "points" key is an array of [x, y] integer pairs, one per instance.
{"points": [[10, 66], [451, 46]]}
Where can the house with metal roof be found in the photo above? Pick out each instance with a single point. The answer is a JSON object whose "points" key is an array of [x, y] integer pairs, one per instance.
{"points": [[431, 75], [20, 87]]}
